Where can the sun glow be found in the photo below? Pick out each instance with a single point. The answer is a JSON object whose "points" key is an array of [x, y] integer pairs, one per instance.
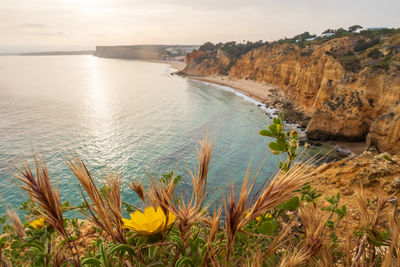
{"points": [[97, 94]]}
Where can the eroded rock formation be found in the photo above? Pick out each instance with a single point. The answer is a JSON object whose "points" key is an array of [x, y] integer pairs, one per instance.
{"points": [[385, 131]]}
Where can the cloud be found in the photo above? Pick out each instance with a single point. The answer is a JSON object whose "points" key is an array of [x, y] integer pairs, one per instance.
{"points": [[32, 25], [108, 22], [48, 33]]}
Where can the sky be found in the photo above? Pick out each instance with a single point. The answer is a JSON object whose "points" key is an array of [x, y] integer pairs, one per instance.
{"points": [[47, 25]]}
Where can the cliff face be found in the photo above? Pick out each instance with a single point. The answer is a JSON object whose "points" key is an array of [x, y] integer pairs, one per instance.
{"points": [[201, 63], [385, 131], [351, 107], [343, 104], [298, 72], [344, 84]]}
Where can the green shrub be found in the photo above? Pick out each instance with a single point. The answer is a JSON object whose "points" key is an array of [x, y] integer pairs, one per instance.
{"points": [[350, 63], [366, 45], [375, 54]]}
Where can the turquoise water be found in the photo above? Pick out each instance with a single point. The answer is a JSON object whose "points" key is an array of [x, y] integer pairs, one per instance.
{"points": [[130, 116]]}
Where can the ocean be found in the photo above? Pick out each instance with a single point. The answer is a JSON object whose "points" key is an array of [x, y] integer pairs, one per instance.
{"points": [[129, 116]]}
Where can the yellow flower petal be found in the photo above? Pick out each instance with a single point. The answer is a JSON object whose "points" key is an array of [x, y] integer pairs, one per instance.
{"points": [[150, 222], [38, 223]]}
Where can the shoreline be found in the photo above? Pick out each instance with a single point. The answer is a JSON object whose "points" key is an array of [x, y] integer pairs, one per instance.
{"points": [[271, 97], [253, 89]]}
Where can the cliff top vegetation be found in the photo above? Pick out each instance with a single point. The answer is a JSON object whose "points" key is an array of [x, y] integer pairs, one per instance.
{"points": [[366, 47]]}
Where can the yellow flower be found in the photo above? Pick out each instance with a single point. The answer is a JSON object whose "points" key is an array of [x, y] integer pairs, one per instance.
{"points": [[39, 223], [150, 222], [267, 216], [248, 214], [293, 133]]}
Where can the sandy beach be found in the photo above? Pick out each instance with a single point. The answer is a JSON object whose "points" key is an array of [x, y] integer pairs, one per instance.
{"points": [[255, 90]]}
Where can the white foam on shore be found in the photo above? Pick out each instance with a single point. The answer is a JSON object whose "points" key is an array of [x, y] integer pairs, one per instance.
{"points": [[270, 111]]}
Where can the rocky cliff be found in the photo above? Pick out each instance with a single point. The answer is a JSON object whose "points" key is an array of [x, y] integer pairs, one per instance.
{"points": [[378, 177], [344, 84], [385, 131]]}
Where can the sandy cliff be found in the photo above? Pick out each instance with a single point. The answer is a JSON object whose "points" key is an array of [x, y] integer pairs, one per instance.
{"points": [[385, 131], [344, 84]]}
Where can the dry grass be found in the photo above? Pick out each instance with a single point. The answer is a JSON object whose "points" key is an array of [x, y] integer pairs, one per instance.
{"points": [[105, 210], [294, 259], [200, 174], [16, 223], [187, 212], [313, 223], [394, 248], [138, 188], [279, 189], [236, 209], [372, 225], [42, 193], [210, 254]]}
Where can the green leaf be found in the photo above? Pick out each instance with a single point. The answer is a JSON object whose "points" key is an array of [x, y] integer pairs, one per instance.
{"points": [[184, 261], [204, 250], [308, 198], [266, 133], [91, 261], [177, 240], [282, 144], [277, 121], [152, 252], [330, 224], [330, 200], [387, 158], [43, 237], [292, 204], [31, 244], [268, 227], [274, 146], [273, 130], [121, 248], [104, 255]]}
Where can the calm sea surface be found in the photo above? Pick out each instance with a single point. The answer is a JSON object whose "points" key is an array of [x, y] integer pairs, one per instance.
{"points": [[130, 116]]}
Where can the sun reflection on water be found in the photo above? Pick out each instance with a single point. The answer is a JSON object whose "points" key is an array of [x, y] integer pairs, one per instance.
{"points": [[104, 130]]}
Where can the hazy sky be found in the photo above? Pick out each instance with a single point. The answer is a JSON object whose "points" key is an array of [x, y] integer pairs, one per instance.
{"points": [[81, 24]]}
